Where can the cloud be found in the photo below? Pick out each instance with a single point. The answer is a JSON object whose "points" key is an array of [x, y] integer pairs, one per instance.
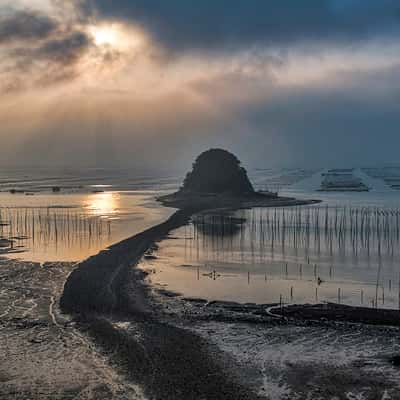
{"points": [[279, 82], [25, 25], [51, 61], [182, 25], [353, 123], [65, 50], [39, 49]]}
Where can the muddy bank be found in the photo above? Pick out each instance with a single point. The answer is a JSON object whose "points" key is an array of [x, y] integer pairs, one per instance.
{"points": [[170, 362], [294, 358], [311, 362], [42, 354], [341, 313]]}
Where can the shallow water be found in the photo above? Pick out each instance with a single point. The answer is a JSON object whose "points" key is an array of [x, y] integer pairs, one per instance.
{"points": [[89, 209], [74, 226], [345, 250]]}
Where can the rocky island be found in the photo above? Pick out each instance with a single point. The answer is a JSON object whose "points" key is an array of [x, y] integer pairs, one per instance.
{"points": [[218, 180]]}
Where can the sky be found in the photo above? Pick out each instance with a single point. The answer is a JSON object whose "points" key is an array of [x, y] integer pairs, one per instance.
{"points": [[151, 83]]}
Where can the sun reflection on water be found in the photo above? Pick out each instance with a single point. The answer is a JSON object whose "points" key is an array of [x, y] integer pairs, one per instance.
{"points": [[103, 204]]}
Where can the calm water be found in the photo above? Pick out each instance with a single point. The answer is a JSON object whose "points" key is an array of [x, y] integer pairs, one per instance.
{"points": [[71, 227], [93, 209], [346, 249]]}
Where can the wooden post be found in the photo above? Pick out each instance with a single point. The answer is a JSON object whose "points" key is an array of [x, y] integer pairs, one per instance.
{"points": [[338, 295], [399, 292]]}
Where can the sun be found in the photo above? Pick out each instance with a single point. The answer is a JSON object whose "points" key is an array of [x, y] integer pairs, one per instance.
{"points": [[105, 35], [116, 36]]}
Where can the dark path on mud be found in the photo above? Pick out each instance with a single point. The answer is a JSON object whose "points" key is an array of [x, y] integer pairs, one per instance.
{"points": [[93, 287], [167, 361]]}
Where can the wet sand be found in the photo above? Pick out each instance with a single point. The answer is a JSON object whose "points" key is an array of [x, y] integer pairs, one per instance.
{"points": [[42, 354], [294, 357]]}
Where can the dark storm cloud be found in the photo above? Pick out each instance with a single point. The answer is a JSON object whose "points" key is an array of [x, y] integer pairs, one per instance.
{"points": [[25, 25], [51, 61], [39, 49], [355, 124], [55, 60], [65, 50], [204, 24]]}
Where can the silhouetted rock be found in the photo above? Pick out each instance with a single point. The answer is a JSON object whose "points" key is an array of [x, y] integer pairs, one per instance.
{"points": [[217, 171], [219, 181]]}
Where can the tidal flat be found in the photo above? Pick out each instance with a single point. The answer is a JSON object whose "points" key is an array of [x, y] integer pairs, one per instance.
{"points": [[43, 355], [129, 338]]}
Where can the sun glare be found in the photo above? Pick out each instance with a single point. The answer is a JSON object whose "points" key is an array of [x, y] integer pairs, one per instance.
{"points": [[116, 36], [103, 204], [105, 36]]}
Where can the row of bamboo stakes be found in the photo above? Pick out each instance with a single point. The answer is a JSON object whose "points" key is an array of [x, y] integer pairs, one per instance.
{"points": [[57, 225], [368, 232]]}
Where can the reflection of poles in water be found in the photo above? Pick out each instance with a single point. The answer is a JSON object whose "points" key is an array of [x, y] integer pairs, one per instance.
{"points": [[44, 226], [378, 277], [311, 230], [399, 291]]}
